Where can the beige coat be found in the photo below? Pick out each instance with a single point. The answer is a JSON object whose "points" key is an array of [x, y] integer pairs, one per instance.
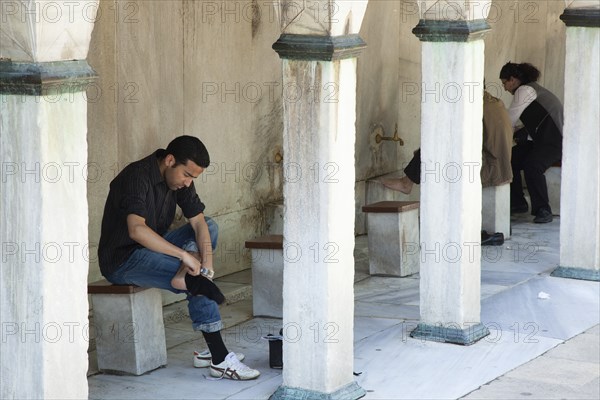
{"points": [[497, 143]]}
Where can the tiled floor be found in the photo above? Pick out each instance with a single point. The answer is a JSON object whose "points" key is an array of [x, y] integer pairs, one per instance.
{"points": [[536, 347]]}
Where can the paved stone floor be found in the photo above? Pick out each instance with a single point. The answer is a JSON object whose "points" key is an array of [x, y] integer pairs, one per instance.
{"points": [[544, 341]]}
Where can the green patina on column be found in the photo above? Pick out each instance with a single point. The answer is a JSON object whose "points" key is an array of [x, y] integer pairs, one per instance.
{"points": [[585, 17], [318, 48], [44, 78], [432, 30]]}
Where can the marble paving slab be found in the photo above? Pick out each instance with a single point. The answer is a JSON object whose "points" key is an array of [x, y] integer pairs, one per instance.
{"points": [[394, 366], [365, 327], [531, 268], [176, 337], [572, 308], [261, 391], [516, 388], [395, 311], [488, 290], [180, 380], [504, 278], [570, 370], [389, 290]]}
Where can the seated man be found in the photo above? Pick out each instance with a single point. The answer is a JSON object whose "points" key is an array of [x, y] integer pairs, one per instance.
{"points": [[497, 143], [537, 118], [136, 247], [496, 168]]}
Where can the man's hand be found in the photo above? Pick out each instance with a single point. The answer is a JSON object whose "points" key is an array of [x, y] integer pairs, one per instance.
{"points": [[192, 263], [520, 136], [198, 257]]}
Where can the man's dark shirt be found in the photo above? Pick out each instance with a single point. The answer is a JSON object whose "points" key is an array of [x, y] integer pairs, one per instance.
{"points": [[141, 190]]}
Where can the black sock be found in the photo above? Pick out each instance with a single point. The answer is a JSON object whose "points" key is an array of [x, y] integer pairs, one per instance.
{"points": [[200, 285], [215, 344]]}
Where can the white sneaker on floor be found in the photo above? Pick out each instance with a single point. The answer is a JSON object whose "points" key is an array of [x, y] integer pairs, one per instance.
{"points": [[203, 359], [232, 368]]}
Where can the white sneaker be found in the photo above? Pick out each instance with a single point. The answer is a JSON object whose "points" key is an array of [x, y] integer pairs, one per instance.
{"points": [[204, 358], [232, 368]]}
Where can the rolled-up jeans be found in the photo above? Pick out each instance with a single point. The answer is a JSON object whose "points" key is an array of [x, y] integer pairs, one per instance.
{"points": [[147, 268]]}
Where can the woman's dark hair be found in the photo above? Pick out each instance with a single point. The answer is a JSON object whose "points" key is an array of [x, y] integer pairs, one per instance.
{"points": [[524, 72], [185, 148]]}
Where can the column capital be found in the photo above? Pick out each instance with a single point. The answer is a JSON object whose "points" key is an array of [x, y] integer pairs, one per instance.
{"points": [[42, 78], [318, 48], [585, 17], [432, 30]]}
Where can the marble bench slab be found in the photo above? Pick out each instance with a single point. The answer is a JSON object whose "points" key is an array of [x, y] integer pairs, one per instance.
{"points": [[267, 275], [129, 328], [393, 232]]}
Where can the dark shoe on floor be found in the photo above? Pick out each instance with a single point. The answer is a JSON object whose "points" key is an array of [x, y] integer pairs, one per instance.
{"points": [[519, 209], [543, 216], [497, 239]]}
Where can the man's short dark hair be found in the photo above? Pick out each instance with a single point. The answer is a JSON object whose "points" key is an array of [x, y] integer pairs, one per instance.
{"points": [[185, 148]]}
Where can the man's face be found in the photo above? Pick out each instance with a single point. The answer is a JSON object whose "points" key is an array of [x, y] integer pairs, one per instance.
{"points": [[181, 175]]}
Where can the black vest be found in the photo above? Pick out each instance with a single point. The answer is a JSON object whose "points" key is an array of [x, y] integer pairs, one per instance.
{"points": [[543, 118]]}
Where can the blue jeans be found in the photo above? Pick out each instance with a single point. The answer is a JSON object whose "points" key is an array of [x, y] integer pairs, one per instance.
{"points": [[146, 268]]}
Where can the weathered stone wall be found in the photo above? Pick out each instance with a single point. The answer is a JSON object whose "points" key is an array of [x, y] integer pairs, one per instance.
{"points": [[526, 31], [203, 68]]}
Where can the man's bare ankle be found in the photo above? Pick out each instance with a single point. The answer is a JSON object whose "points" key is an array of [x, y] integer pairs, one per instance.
{"points": [[178, 283]]}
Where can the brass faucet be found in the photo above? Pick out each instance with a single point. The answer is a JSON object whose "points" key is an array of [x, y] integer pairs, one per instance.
{"points": [[278, 157], [379, 137]]}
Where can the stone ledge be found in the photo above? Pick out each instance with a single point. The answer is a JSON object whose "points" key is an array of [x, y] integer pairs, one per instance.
{"points": [[240, 293], [430, 30], [45, 78], [318, 48], [583, 17]]}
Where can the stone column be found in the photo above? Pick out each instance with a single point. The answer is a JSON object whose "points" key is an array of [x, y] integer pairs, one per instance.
{"points": [[43, 201], [319, 90], [451, 142], [580, 171]]}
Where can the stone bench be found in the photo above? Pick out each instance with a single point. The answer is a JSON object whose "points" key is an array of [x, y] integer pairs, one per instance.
{"points": [[130, 332], [267, 275], [495, 209], [553, 182], [553, 178], [393, 236]]}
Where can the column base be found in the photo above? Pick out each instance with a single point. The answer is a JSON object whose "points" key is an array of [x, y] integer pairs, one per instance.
{"points": [[577, 273], [443, 334], [351, 391]]}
